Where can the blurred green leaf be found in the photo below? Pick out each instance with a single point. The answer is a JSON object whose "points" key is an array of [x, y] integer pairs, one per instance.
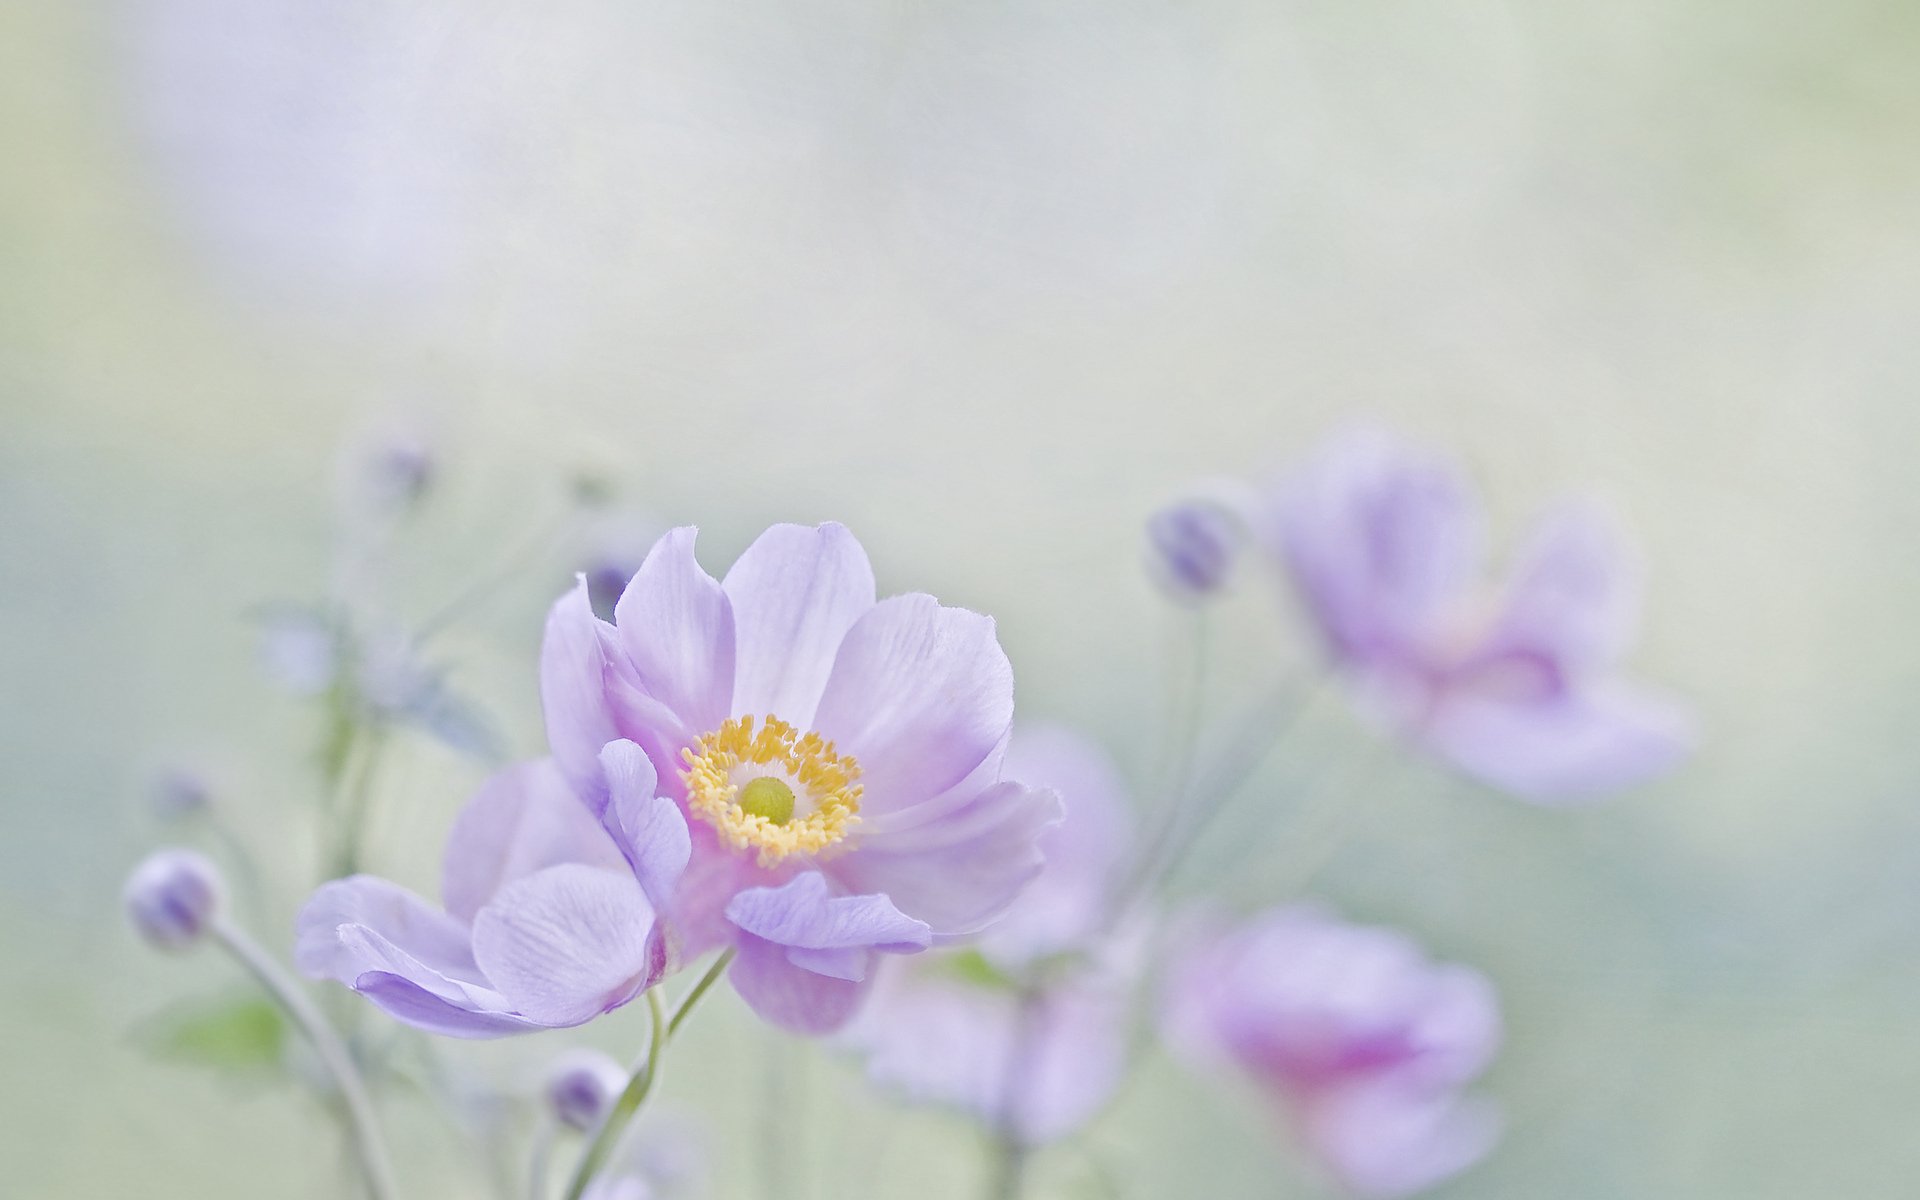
{"points": [[229, 1034]]}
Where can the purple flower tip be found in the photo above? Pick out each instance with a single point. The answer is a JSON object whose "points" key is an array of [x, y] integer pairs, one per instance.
{"points": [[178, 792], [172, 896], [1194, 545], [582, 1086], [399, 472]]}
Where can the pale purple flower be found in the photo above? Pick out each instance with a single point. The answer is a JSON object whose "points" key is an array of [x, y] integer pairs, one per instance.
{"points": [[544, 922], [1027, 1033], [172, 897], [582, 1086], [1367, 1042], [796, 770], [1516, 683]]}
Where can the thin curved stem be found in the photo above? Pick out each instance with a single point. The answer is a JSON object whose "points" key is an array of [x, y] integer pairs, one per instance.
{"points": [[1011, 1147], [712, 976], [1185, 709], [333, 1054], [645, 1075], [1267, 725], [538, 1159]]}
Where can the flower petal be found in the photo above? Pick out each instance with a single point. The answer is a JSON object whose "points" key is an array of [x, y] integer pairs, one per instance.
{"points": [[1084, 853], [363, 923], [650, 829], [1385, 1141], [1381, 539], [1574, 594], [677, 629], [940, 1040], [409, 1003], [790, 996], [1570, 749], [920, 695], [568, 943], [804, 913], [715, 874], [523, 819], [962, 871], [795, 592], [574, 665]]}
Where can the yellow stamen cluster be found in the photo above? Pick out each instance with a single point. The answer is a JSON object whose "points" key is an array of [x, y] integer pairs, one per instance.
{"points": [[825, 780]]}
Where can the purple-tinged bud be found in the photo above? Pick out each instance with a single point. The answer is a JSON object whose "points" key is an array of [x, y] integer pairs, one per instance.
{"points": [[582, 1087], [173, 896], [178, 793], [398, 473], [606, 579], [1194, 545]]}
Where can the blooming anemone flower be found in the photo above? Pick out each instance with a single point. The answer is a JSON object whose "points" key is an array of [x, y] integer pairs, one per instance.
{"points": [[1027, 1032], [1366, 1041], [1514, 684], [545, 924], [833, 763]]}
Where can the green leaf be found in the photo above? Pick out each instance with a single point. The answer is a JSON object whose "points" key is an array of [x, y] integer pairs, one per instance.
{"points": [[228, 1034]]}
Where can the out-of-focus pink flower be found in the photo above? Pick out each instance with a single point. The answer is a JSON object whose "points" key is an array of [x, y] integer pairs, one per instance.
{"points": [[1367, 1042], [1517, 683], [1028, 1032]]}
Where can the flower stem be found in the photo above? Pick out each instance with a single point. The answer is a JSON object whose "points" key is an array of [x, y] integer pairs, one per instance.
{"points": [[331, 1050], [1009, 1169], [712, 976], [1011, 1147], [645, 1075]]}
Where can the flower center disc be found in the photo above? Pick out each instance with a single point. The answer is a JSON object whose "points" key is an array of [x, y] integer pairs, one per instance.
{"points": [[771, 789], [767, 797]]}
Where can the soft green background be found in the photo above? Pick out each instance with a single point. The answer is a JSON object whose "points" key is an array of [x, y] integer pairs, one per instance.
{"points": [[988, 281]]}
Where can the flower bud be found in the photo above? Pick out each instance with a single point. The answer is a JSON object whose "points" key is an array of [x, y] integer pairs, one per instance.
{"points": [[582, 1087], [606, 579], [1193, 546], [173, 896], [178, 793], [398, 472]]}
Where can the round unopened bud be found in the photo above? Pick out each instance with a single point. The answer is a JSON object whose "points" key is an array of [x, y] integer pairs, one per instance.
{"points": [[173, 896], [178, 793], [582, 1087], [1194, 546], [607, 578], [399, 471]]}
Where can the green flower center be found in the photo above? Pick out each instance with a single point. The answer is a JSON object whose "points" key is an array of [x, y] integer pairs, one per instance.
{"points": [[767, 797]]}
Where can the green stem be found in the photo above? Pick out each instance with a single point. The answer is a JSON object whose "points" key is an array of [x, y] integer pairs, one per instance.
{"points": [[712, 976], [1011, 1148], [1009, 1169], [645, 1074], [355, 804], [365, 1129], [538, 1160]]}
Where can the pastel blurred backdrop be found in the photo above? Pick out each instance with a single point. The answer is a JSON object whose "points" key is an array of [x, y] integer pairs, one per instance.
{"points": [[988, 282]]}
